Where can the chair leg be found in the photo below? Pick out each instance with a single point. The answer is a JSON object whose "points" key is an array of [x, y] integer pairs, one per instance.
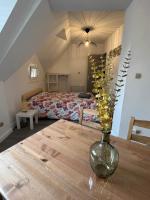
{"points": [[130, 128], [31, 123], [18, 122], [36, 118], [81, 116]]}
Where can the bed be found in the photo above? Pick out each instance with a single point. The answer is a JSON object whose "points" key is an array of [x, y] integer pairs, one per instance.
{"points": [[58, 105], [61, 105]]}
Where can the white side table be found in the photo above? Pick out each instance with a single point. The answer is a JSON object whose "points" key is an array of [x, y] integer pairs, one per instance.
{"points": [[29, 114]]}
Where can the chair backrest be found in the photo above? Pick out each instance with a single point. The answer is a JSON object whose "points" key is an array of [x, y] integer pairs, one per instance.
{"points": [[89, 123], [136, 137]]}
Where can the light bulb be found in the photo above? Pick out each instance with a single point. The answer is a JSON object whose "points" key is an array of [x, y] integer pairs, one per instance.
{"points": [[87, 43]]}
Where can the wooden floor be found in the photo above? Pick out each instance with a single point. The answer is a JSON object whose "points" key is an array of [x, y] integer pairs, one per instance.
{"points": [[23, 133]]}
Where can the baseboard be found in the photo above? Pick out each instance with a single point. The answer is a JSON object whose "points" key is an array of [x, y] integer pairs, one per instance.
{"points": [[6, 134], [13, 124], [7, 131]]}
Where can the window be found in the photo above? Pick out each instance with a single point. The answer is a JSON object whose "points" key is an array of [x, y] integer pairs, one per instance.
{"points": [[6, 7], [33, 71]]}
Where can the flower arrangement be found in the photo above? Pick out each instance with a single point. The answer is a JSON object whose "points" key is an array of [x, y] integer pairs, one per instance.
{"points": [[106, 96]]}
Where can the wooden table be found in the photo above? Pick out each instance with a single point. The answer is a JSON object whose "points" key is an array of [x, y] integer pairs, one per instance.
{"points": [[54, 165]]}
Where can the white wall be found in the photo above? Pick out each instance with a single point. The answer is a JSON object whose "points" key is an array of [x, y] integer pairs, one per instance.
{"points": [[4, 115], [75, 59], [111, 43], [20, 83], [75, 62], [136, 98], [115, 39]]}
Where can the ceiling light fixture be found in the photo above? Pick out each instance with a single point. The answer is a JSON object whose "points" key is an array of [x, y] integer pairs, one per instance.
{"points": [[87, 42]]}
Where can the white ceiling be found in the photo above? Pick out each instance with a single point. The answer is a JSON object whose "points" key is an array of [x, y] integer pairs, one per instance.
{"points": [[54, 45], [39, 27], [99, 5], [104, 24]]}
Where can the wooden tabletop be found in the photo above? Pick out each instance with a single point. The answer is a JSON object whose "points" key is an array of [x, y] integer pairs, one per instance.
{"points": [[54, 165]]}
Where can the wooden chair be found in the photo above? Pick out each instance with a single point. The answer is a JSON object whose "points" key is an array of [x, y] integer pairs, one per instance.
{"points": [[87, 123], [135, 137]]}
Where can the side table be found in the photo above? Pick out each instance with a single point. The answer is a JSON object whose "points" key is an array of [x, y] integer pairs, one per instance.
{"points": [[29, 114]]}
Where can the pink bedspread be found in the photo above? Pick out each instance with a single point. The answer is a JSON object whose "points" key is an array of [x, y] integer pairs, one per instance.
{"points": [[61, 105]]}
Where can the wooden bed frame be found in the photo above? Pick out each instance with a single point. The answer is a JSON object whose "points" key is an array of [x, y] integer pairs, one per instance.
{"points": [[26, 96]]}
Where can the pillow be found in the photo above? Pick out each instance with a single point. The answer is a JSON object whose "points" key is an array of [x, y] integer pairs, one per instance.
{"points": [[84, 95]]}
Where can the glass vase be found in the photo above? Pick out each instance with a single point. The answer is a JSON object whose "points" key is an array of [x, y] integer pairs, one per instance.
{"points": [[104, 157]]}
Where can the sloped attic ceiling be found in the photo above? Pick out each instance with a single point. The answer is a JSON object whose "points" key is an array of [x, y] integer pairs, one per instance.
{"points": [[36, 31], [104, 24], [6, 8], [30, 23], [54, 45], [79, 5]]}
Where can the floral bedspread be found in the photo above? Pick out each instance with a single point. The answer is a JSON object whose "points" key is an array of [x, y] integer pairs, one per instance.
{"points": [[61, 105]]}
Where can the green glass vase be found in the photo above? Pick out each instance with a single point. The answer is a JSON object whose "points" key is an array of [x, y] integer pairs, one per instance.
{"points": [[104, 157]]}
